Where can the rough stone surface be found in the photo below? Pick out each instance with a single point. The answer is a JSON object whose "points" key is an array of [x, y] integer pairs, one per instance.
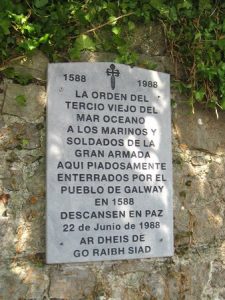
{"points": [[35, 100], [19, 135], [69, 284], [196, 271], [96, 56], [201, 125], [2, 88], [35, 65], [149, 41]]}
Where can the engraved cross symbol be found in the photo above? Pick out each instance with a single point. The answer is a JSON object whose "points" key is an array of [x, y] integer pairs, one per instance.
{"points": [[113, 72]]}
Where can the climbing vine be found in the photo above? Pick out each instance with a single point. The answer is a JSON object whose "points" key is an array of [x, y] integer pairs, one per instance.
{"points": [[195, 33]]}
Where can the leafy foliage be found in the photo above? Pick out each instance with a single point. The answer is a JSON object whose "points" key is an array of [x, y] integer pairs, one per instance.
{"points": [[18, 77], [197, 40], [195, 30]]}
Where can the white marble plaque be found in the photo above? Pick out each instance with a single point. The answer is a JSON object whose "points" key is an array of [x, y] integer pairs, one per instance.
{"points": [[109, 166]]}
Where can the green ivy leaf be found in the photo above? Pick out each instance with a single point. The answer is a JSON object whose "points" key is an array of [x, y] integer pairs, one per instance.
{"points": [[131, 25], [29, 44], [40, 3], [185, 4], [222, 103], [204, 5], [173, 13], [199, 95], [221, 44], [29, 28], [74, 53], [116, 30], [197, 36], [84, 42], [113, 20], [223, 26], [157, 4], [44, 38], [4, 25]]}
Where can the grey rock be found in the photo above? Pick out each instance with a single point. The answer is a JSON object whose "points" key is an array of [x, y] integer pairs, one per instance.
{"points": [[7, 236], [217, 170], [2, 210], [148, 40], [201, 130], [31, 137], [14, 182], [21, 136], [88, 56], [38, 283], [34, 97], [155, 284], [198, 161], [222, 294], [22, 280], [35, 65], [2, 123], [36, 183], [70, 286], [2, 96], [218, 275]]}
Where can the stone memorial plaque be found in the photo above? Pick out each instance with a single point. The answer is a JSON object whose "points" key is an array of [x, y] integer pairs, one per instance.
{"points": [[109, 166]]}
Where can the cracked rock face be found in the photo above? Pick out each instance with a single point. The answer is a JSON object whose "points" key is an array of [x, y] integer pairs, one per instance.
{"points": [[197, 270]]}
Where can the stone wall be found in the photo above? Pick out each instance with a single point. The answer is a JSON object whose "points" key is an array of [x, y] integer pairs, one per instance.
{"points": [[196, 271]]}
